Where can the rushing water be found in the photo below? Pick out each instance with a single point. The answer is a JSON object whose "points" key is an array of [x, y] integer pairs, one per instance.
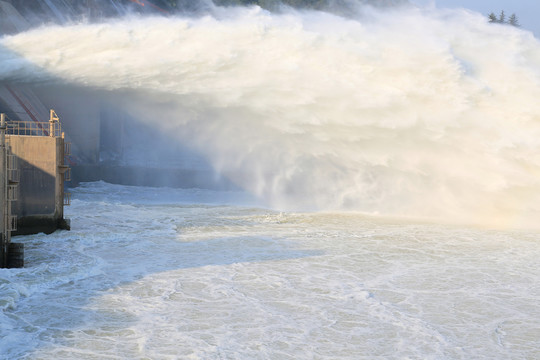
{"points": [[152, 273], [397, 112], [432, 115]]}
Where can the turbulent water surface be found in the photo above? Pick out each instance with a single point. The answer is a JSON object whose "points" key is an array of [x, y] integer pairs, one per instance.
{"points": [[177, 274], [340, 134]]}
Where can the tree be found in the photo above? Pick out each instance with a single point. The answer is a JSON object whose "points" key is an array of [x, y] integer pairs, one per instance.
{"points": [[513, 20], [502, 17]]}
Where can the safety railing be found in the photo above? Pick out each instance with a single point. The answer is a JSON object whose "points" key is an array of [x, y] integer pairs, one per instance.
{"points": [[67, 199], [13, 174], [67, 148], [11, 193], [12, 223], [67, 175], [33, 128]]}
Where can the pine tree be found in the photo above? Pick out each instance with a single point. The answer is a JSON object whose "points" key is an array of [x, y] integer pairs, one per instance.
{"points": [[513, 20], [502, 17]]}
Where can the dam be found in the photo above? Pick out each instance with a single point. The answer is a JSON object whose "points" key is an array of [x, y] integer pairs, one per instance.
{"points": [[109, 142], [409, 114], [97, 140]]}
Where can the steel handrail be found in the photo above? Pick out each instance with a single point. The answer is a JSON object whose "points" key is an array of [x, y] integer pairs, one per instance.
{"points": [[31, 128]]}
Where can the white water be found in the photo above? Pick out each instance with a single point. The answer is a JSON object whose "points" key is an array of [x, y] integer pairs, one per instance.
{"points": [[401, 112], [177, 274], [406, 113]]}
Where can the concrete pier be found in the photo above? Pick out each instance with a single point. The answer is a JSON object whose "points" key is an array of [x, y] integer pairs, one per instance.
{"points": [[40, 154], [31, 193]]}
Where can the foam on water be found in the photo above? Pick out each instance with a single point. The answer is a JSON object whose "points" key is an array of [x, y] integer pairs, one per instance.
{"points": [[176, 279], [400, 112]]}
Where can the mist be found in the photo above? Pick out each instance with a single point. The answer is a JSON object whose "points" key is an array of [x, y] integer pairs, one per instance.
{"points": [[398, 111]]}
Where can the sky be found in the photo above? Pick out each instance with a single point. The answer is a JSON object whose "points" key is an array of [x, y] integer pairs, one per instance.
{"points": [[527, 11]]}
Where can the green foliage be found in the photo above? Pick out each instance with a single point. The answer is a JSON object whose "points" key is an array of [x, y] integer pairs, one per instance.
{"points": [[512, 20], [502, 17]]}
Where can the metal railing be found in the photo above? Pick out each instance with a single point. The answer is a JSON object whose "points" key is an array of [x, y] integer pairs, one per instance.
{"points": [[33, 128], [67, 199], [12, 223], [67, 175], [13, 175], [67, 148], [12, 169], [12, 193]]}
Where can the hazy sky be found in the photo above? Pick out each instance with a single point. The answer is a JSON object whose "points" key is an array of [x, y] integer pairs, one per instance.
{"points": [[527, 11]]}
